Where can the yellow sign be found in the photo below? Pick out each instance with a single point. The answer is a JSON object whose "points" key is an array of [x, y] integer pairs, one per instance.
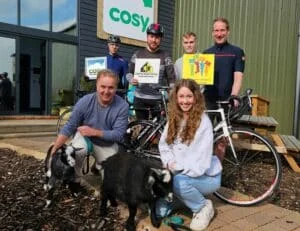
{"points": [[199, 67]]}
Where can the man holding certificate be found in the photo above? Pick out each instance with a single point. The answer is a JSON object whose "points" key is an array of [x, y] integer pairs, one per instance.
{"points": [[150, 68]]}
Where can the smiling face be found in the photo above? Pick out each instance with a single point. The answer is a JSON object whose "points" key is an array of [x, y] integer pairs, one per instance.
{"points": [[185, 99], [189, 44], [153, 42], [220, 32], [106, 89]]}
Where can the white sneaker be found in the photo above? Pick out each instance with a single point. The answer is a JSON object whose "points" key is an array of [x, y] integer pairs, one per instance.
{"points": [[201, 219]]}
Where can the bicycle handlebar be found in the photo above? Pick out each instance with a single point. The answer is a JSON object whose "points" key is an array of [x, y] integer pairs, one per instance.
{"points": [[244, 105]]}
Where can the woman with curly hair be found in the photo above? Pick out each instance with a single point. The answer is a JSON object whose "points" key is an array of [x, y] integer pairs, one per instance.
{"points": [[186, 148]]}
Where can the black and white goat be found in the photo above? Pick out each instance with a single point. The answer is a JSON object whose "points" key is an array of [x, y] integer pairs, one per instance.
{"points": [[60, 167], [134, 181]]}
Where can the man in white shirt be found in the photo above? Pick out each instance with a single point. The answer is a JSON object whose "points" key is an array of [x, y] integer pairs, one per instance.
{"points": [[189, 43]]}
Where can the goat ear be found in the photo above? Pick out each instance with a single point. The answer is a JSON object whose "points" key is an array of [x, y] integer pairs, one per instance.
{"points": [[163, 174]]}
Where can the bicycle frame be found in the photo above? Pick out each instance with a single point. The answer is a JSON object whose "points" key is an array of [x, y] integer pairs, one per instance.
{"points": [[225, 128]]}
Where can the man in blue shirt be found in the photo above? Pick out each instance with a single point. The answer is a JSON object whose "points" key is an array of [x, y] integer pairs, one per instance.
{"points": [[116, 62], [229, 65], [99, 121]]}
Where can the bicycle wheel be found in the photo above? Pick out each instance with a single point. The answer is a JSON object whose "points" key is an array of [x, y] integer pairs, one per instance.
{"points": [[63, 118], [254, 174], [142, 135]]}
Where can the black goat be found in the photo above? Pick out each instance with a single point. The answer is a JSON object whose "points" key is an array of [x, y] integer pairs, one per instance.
{"points": [[60, 166], [132, 180]]}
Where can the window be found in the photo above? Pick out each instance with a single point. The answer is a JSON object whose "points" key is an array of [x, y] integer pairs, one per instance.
{"points": [[65, 16], [35, 14], [7, 64], [63, 72], [9, 11]]}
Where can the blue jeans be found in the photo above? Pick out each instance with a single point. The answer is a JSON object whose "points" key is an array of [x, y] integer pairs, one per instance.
{"points": [[190, 191]]}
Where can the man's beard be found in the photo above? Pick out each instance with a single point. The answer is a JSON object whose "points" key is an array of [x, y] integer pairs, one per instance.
{"points": [[151, 47]]}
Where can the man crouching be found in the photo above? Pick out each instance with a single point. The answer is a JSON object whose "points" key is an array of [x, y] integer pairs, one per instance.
{"points": [[98, 121]]}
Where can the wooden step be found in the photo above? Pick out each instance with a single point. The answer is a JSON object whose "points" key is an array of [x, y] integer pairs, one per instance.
{"points": [[18, 126], [292, 155]]}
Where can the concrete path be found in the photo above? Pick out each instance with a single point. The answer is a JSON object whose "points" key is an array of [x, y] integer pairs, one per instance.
{"points": [[262, 217]]}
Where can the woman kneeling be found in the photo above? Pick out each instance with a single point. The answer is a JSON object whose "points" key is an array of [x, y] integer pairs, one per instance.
{"points": [[186, 148]]}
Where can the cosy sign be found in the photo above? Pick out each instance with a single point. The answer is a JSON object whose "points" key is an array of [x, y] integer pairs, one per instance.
{"points": [[128, 19]]}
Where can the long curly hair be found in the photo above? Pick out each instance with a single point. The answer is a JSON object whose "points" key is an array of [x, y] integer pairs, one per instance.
{"points": [[175, 116]]}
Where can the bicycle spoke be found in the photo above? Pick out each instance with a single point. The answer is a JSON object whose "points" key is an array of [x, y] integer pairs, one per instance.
{"points": [[254, 174]]}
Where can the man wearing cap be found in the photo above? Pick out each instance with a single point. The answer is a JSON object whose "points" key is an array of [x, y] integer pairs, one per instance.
{"points": [[116, 62], [146, 95]]}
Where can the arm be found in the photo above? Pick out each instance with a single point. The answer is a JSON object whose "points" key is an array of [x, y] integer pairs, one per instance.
{"points": [[118, 117], [165, 151], [119, 125], [237, 83], [125, 71], [170, 72], [239, 67], [131, 67], [60, 140], [177, 69], [75, 119]]}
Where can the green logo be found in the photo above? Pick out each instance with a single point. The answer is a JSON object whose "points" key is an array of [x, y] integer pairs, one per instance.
{"points": [[147, 3], [126, 17]]}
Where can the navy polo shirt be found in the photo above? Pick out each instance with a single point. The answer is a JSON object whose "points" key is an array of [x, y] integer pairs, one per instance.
{"points": [[228, 59]]}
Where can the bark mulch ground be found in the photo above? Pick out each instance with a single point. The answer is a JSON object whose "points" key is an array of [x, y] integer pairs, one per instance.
{"points": [[22, 199]]}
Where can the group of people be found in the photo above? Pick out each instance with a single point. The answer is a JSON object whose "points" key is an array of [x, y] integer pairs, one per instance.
{"points": [[99, 120]]}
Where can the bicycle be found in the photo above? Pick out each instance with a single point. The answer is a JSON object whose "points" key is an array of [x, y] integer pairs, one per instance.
{"points": [[251, 164], [143, 135]]}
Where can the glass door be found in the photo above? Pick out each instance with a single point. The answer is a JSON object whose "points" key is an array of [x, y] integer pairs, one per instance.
{"points": [[7, 76], [32, 76]]}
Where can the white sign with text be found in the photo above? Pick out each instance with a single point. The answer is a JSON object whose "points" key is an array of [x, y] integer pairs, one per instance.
{"points": [[93, 65], [147, 70], [128, 18]]}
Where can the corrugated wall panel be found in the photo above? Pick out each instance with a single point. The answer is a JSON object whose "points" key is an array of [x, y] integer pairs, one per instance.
{"points": [[267, 30]]}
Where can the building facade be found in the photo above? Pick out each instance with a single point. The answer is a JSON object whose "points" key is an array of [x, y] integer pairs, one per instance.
{"points": [[269, 32], [43, 45]]}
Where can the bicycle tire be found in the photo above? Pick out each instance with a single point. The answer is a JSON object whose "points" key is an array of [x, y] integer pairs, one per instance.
{"points": [[63, 118], [143, 136], [256, 176]]}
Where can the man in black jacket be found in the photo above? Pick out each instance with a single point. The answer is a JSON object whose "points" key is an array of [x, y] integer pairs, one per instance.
{"points": [[146, 96]]}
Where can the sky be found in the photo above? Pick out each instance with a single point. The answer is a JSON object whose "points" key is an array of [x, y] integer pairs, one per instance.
{"points": [[35, 13]]}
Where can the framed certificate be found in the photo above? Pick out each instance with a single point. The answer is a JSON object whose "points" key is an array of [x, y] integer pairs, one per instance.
{"points": [[93, 65], [147, 70]]}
